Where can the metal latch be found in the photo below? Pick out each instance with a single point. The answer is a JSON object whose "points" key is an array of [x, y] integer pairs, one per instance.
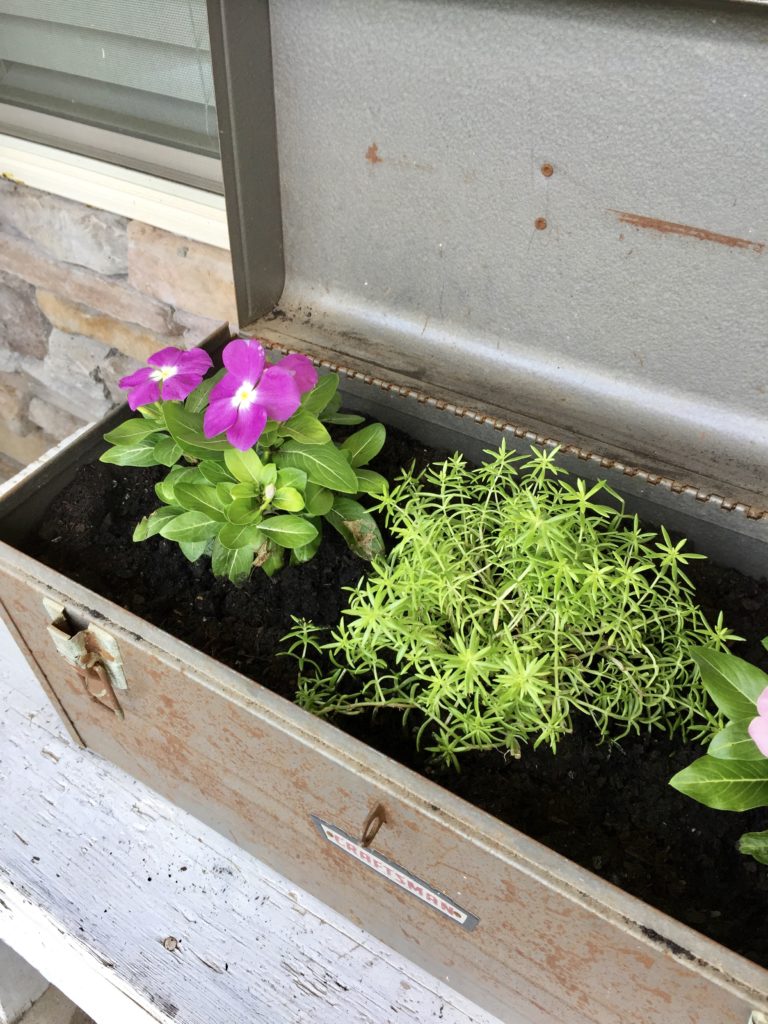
{"points": [[94, 655]]}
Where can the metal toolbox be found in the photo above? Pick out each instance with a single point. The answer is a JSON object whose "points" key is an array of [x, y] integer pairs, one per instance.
{"points": [[460, 204]]}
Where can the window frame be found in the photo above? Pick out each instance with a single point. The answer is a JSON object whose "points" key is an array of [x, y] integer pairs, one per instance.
{"points": [[131, 151]]}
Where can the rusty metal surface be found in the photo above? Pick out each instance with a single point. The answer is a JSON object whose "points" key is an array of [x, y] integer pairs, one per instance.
{"points": [[619, 298], [553, 942]]}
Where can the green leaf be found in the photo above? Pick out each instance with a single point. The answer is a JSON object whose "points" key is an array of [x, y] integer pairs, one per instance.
{"points": [[735, 743], [200, 498], [358, 528], [214, 472], [369, 482], [244, 466], [152, 524], [755, 844], [138, 453], [193, 550], [243, 510], [190, 527], [164, 489], [167, 452], [291, 478], [198, 399], [288, 499], [322, 463], [307, 551], [131, 431], [224, 492], [245, 491], [306, 428], [186, 428], [232, 562], [289, 531], [365, 444], [343, 419], [318, 500], [140, 531], [332, 408], [724, 784], [316, 400], [152, 412], [240, 535], [732, 683], [269, 435], [274, 561]]}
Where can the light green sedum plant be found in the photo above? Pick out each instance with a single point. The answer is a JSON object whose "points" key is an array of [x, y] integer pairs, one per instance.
{"points": [[509, 604]]}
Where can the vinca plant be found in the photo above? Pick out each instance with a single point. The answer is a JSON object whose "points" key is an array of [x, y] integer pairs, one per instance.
{"points": [[514, 599], [253, 471], [733, 774]]}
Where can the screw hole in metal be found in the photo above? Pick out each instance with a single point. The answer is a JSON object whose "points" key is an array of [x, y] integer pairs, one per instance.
{"points": [[373, 823]]}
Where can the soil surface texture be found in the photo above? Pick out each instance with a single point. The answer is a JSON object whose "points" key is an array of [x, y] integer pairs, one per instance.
{"points": [[607, 807]]}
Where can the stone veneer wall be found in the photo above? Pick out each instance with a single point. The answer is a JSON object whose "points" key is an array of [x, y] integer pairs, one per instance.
{"points": [[85, 297]]}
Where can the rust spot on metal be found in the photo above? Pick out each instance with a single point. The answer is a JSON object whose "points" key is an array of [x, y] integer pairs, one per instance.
{"points": [[547, 170], [540, 223], [98, 687], [372, 824], [372, 154], [668, 227]]}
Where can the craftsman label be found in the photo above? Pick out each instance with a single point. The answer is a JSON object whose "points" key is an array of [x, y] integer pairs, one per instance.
{"points": [[394, 873]]}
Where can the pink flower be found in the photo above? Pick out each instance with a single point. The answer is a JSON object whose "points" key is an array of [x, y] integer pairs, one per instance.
{"points": [[172, 373], [302, 369], [758, 727], [248, 395]]}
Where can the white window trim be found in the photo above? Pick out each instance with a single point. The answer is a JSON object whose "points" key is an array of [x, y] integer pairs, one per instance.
{"points": [[191, 212]]}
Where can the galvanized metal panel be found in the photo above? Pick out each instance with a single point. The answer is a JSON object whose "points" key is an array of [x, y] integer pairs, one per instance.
{"points": [[620, 299]]}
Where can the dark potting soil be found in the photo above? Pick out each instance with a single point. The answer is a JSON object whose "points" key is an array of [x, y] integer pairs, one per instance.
{"points": [[606, 806]]}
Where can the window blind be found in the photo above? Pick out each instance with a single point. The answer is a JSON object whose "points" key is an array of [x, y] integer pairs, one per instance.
{"points": [[138, 67]]}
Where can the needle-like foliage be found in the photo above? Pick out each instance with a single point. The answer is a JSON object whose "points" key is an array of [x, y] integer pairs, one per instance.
{"points": [[514, 598]]}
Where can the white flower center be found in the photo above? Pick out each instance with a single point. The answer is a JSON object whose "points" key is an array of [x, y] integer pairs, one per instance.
{"points": [[244, 396], [163, 373]]}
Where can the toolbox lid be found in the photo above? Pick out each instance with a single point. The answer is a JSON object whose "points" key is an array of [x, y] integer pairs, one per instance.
{"points": [[553, 212]]}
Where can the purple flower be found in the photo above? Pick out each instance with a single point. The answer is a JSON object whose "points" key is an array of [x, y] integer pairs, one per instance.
{"points": [[302, 369], [172, 373], [248, 395], [758, 727]]}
